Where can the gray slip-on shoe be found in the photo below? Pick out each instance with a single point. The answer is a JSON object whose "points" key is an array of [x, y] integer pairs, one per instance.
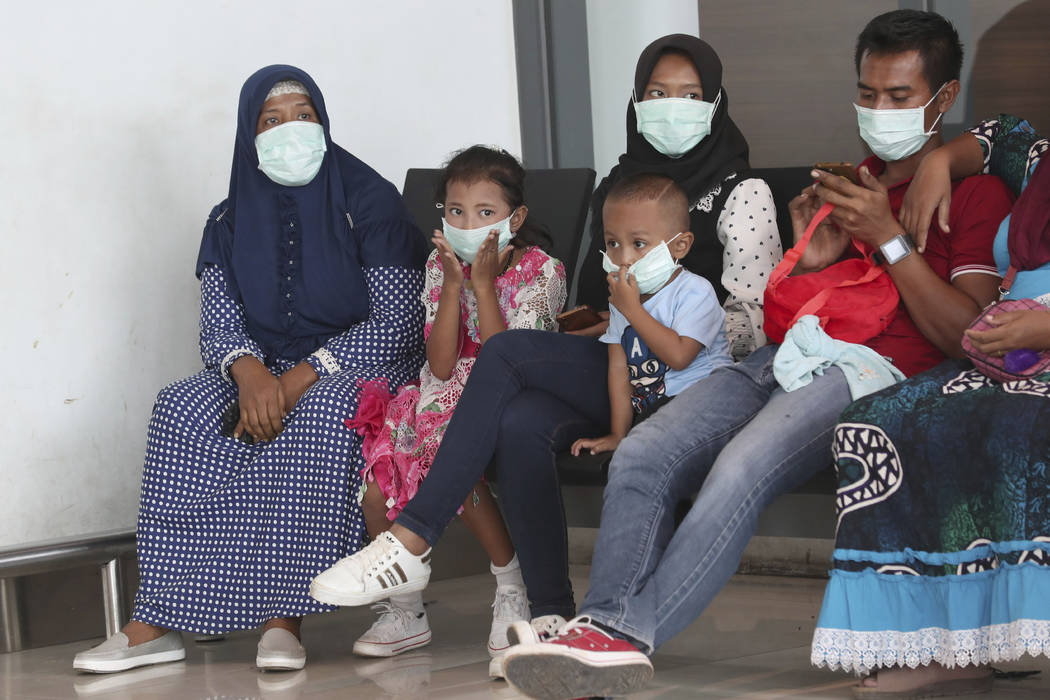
{"points": [[279, 650], [114, 654]]}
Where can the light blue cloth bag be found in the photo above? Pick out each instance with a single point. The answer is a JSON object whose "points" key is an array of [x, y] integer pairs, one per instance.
{"points": [[807, 351]]}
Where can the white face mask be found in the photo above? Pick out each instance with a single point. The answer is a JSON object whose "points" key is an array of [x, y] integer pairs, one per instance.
{"points": [[467, 241], [652, 270], [291, 154], [895, 134], [674, 125]]}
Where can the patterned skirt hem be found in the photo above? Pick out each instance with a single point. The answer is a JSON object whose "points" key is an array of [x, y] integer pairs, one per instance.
{"points": [[861, 652], [158, 618]]}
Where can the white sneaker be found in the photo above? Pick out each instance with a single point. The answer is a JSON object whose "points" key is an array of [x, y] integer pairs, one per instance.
{"points": [[396, 631], [510, 605], [539, 629], [380, 570]]}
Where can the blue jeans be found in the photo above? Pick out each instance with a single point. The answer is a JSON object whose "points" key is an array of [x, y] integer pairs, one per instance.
{"points": [[529, 396], [737, 440]]}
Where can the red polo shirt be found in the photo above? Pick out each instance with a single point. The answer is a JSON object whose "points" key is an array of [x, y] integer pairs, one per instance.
{"points": [[979, 204]]}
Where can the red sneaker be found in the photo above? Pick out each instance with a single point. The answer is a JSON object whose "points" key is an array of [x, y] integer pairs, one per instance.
{"points": [[581, 660]]}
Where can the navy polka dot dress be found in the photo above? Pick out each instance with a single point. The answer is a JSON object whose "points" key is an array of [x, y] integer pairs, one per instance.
{"points": [[230, 535]]}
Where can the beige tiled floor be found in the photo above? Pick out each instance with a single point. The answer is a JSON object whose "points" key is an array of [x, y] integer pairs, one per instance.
{"points": [[753, 642]]}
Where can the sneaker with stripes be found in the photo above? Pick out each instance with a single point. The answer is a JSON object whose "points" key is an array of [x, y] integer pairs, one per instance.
{"points": [[380, 570]]}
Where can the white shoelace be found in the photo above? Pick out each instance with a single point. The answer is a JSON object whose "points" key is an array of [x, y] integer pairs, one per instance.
{"points": [[581, 622], [390, 614], [509, 603], [372, 557]]}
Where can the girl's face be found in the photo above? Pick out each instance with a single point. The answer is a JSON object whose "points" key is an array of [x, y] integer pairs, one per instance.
{"points": [[478, 204], [285, 108], [674, 76]]}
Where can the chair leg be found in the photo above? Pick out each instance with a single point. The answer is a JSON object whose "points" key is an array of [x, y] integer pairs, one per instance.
{"points": [[113, 595], [11, 616]]}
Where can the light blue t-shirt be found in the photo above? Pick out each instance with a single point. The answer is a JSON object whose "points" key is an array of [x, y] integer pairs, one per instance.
{"points": [[1028, 284], [688, 306]]}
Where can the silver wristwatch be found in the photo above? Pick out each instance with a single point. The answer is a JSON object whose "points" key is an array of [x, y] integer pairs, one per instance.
{"points": [[894, 250]]}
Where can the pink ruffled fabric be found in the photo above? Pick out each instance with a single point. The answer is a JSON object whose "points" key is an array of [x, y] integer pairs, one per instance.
{"points": [[373, 397], [400, 447]]}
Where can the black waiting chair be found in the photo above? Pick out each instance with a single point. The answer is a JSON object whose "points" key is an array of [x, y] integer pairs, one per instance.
{"points": [[786, 184], [557, 198]]}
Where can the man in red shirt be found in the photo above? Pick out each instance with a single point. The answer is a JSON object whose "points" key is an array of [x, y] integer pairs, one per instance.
{"points": [[736, 438]]}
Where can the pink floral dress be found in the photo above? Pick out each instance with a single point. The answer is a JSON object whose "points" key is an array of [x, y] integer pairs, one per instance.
{"points": [[402, 433]]}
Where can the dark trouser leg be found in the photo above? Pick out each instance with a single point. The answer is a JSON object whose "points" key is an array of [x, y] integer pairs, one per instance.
{"points": [[536, 426], [566, 366]]}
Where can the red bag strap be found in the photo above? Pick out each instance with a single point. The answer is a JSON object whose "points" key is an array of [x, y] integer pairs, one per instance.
{"points": [[791, 257], [1008, 281]]}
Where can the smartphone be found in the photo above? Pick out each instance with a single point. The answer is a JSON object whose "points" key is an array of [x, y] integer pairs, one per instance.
{"points": [[578, 318], [228, 423], [845, 170]]}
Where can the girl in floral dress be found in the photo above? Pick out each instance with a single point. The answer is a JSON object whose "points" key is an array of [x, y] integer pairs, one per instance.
{"points": [[487, 273]]}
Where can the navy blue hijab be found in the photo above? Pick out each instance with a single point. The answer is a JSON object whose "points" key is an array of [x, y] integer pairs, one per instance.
{"points": [[295, 257]]}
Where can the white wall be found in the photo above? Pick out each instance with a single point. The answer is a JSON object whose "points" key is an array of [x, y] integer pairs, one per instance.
{"points": [[617, 31], [117, 139]]}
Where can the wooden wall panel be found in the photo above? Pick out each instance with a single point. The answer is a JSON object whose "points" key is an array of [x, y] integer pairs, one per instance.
{"points": [[788, 71], [1011, 71]]}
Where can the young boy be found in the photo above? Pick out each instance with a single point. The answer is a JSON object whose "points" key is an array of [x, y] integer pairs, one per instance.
{"points": [[666, 327]]}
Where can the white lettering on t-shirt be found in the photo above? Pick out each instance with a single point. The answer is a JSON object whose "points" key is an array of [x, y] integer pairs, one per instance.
{"points": [[636, 349]]}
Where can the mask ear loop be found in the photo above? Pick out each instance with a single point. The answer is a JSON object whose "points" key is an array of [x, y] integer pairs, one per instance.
{"points": [[933, 127], [668, 244]]}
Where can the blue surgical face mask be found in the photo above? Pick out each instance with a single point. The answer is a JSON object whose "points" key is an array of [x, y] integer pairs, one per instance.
{"points": [[291, 154], [652, 270], [674, 125], [895, 134], [467, 241]]}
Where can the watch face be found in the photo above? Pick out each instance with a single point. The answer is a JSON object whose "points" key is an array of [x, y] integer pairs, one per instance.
{"points": [[895, 249]]}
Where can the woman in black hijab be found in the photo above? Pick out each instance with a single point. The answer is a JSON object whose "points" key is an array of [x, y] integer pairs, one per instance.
{"points": [[533, 393], [736, 242]]}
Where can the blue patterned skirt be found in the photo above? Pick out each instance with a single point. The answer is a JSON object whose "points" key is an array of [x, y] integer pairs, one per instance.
{"points": [[230, 535], [943, 535]]}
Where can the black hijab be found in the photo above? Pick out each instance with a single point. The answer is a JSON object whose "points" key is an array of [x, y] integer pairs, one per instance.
{"points": [[700, 171]]}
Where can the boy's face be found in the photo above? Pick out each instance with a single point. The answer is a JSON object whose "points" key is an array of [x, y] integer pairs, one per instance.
{"points": [[633, 228]]}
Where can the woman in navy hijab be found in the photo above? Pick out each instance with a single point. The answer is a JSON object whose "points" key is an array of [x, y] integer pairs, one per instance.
{"points": [[311, 275]]}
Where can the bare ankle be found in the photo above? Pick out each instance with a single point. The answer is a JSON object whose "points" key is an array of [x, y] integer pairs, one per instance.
{"points": [[291, 624], [413, 543], [141, 632]]}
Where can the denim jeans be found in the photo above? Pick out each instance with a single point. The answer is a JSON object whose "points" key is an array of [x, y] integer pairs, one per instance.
{"points": [[737, 440], [529, 396]]}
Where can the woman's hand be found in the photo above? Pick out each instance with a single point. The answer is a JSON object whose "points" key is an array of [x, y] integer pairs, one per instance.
{"points": [[450, 264], [261, 399], [294, 384], [929, 191], [828, 242], [608, 443], [488, 263], [1013, 330]]}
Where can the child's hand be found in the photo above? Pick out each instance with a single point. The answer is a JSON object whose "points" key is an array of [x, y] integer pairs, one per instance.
{"points": [[450, 265], [596, 445], [623, 291], [486, 266]]}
